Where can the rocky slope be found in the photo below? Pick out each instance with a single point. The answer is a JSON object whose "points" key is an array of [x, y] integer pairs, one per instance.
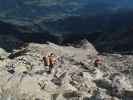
{"points": [[24, 77]]}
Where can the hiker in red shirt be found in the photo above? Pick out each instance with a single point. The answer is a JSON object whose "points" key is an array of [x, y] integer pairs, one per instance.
{"points": [[50, 61], [98, 62]]}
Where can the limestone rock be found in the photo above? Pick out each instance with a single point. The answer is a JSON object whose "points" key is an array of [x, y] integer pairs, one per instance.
{"points": [[73, 77]]}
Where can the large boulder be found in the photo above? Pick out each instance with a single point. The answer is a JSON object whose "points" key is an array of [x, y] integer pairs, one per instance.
{"points": [[3, 54], [85, 44]]}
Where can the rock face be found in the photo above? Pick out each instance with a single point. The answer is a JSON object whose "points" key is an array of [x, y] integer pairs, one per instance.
{"points": [[24, 76]]}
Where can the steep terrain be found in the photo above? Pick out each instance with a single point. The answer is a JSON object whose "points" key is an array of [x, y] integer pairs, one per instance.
{"points": [[23, 74]]}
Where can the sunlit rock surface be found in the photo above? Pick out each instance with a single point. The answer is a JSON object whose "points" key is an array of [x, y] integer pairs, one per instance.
{"points": [[23, 75]]}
